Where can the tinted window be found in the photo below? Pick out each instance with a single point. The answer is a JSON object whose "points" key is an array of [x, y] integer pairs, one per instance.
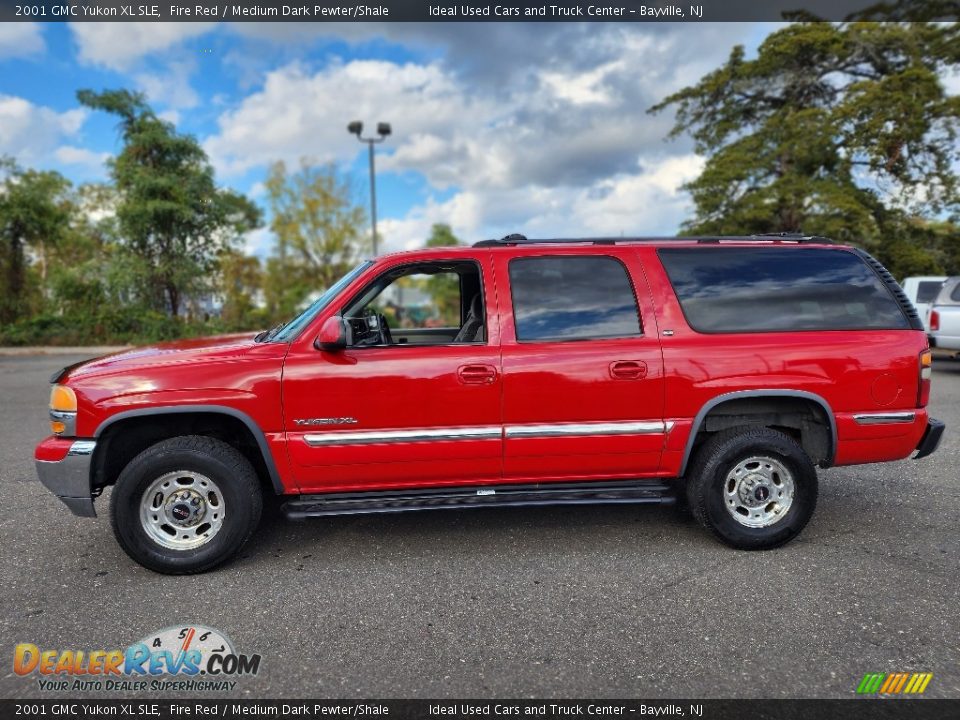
{"points": [[773, 288], [572, 298], [928, 290], [955, 295]]}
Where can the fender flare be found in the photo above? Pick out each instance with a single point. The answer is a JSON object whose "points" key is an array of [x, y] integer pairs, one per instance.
{"points": [[740, 394], [208, 410]]}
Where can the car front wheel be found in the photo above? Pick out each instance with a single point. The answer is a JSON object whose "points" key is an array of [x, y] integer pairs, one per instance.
{"points": [[185, 505]]}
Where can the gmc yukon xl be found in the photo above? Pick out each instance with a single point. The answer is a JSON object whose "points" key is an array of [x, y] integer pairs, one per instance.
{"points": [[718, 370]]}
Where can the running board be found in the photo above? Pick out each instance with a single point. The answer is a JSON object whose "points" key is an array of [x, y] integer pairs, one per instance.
{"points": [[306, 506]]}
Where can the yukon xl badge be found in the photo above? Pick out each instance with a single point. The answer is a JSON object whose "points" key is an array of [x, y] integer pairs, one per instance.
{"points": [[326, 421]]}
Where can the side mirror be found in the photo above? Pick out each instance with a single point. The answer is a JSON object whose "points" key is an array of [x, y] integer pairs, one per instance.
{"points": [[334, 335]]}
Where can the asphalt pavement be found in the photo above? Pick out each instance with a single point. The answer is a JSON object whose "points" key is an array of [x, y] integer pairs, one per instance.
{"points": [[510, 603]]}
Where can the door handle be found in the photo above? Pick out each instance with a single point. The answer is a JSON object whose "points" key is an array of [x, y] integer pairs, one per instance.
{"points": [[477, 374], [628, 370]]}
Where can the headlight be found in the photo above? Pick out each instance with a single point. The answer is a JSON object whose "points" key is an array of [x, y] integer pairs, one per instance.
{"points": [[63, 410]]}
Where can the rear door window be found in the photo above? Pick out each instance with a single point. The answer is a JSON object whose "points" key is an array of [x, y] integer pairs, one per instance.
{"points": [[572, 297], [769, 289]]}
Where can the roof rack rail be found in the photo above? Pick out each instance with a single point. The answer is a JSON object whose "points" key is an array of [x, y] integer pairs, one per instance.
{"points": [[790, 237]]}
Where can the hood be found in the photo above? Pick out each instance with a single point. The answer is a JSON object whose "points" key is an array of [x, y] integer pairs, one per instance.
{"points": [[178, 352]]}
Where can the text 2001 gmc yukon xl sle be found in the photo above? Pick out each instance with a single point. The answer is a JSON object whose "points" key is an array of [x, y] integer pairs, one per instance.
{"points": [[513, 372]]}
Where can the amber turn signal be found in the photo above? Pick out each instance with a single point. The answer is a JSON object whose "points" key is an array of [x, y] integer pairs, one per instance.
{"points": [[63, 399], [926, 364]]}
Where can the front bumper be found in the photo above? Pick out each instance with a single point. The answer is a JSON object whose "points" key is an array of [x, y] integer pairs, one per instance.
{"points": [[931, 438], [67, 475]]}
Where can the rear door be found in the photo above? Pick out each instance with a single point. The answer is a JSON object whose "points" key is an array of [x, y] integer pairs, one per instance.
{"points": [[583, 385]]}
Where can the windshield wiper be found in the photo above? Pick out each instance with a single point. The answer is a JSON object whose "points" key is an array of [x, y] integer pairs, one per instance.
{"points": [[268, 335]]}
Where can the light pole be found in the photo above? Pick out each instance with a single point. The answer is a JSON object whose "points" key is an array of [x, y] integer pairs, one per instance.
{"points": [[383, 130]]}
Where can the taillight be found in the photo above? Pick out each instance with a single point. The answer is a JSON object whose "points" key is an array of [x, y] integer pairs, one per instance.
{"points": [[926, 370], [934, 320]]}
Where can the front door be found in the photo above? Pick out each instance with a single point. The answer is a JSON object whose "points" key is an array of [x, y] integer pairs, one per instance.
{"points": [[415, 398], [582, 366]]}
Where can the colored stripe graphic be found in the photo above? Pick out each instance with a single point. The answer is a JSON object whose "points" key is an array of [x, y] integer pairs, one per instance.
{"points": [[870, 683], [894, 683]]}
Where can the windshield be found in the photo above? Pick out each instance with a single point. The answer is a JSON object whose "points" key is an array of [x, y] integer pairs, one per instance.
{"points": [[288, 331]]}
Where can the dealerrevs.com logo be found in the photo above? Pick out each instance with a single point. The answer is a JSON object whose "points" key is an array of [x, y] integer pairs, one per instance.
{"points": [[178, 658]]}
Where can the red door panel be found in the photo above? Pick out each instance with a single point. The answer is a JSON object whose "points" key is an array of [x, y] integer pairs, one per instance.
{"points": [[388, 417], [584, 409]]}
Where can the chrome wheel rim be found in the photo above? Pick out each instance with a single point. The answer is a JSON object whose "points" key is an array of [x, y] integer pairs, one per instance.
{"points": [[758, 492], [182, 510]]}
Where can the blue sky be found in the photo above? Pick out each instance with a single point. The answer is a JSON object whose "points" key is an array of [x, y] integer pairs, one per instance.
{"points": [[497, 128]]}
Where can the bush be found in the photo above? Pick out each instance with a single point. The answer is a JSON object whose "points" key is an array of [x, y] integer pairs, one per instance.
{"points": [[110, 325]]}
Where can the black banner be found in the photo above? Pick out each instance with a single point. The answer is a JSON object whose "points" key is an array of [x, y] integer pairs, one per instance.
{"points": [[853, 709], [469, 10]]}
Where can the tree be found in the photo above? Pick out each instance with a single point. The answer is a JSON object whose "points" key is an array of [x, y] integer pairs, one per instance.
{"points": [[34, 212], [241, 279], [319, 233], [444, 289], [171, 214], [841, 129], [441, 235]]}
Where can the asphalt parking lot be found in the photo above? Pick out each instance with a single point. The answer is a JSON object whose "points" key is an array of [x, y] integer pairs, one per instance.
{"points": [[569, 602]]}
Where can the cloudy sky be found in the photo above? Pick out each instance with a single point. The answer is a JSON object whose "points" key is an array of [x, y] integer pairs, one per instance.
{"points": [[498, 128]]}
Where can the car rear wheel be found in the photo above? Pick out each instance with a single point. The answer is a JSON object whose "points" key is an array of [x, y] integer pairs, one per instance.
{"points": [[185, 505], [754, 488]]}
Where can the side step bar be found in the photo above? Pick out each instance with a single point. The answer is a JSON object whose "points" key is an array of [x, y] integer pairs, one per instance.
{"points": [[600, 493]]}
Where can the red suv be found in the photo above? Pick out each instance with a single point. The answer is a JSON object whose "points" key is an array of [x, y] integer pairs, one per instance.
{"points": [[515, 372]]}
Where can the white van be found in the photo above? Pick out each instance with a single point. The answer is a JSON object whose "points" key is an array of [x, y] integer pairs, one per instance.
{"points": [[922, 291]]}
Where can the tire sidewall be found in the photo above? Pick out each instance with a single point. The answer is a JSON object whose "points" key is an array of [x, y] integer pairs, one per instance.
{"points": [[789, 526], [128, 495]]}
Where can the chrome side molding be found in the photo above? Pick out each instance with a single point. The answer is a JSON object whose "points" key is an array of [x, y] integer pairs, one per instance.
{"points": [[580, 429], [489, 432], [884, 418], [486, 432]]}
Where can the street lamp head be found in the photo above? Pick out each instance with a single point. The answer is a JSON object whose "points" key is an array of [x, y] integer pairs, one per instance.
{"points": [[383, 129], [356, 127]]}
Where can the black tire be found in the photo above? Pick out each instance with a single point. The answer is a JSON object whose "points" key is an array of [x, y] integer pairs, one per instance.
{"points": [[234, 477], [719, 456]]}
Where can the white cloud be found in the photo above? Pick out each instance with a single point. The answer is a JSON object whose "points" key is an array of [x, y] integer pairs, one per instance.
{"points": [[302, 114], [21, 39], [648, 201], [582, 88], [951, 83], [259, 242], [30, 132], [553, 140], [171, 116], [172, 87], [82, 157], [119, 46]]}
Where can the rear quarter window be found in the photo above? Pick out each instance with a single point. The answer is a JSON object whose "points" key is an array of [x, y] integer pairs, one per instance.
{"points": [[928, 290], [776, 289]]}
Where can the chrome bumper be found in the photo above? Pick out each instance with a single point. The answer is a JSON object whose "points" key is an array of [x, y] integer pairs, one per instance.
{"points": [[69, 479]]}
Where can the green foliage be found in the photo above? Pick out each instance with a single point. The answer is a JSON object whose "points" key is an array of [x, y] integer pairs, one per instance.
{"points": [[34, 210], [319, 234], [441, 235], [241, 278], [842, 129], [171, 215], [444, 289]]}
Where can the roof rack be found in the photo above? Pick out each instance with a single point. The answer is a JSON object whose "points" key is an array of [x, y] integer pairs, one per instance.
{"points": [[518, 239]]}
